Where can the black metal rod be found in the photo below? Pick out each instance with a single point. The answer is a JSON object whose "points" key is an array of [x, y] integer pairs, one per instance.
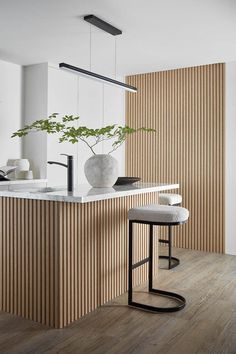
{"points": [[138, 264], [174, 261], [170, 244], [150, 278], [163, 241], [130, 281], [70, 173], [181, 302], [97, 77]]}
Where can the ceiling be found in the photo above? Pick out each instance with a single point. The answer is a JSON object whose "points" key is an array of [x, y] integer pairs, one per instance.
{"points": [[157, 35]]}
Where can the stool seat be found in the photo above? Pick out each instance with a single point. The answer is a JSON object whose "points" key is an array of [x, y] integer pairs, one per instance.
{"points": [[169, 199], [156, 213]]}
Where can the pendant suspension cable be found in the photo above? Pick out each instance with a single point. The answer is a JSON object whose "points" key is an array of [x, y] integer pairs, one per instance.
{"points": [[103, 112], [90, 47], [103, 104], [115, 57]]}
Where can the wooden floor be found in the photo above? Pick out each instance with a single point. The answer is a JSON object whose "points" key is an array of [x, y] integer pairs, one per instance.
{"points": [[206, 325]]}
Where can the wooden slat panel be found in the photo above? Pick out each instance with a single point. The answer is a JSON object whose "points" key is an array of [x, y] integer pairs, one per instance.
{"points": [[60, 261], [186, 107]]}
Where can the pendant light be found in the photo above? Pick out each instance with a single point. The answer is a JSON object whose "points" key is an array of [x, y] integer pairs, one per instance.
{"points": [[113, 31]]}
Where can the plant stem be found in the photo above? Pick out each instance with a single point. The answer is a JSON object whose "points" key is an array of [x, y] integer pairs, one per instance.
{"points": [[90, 147], [117, 146]]}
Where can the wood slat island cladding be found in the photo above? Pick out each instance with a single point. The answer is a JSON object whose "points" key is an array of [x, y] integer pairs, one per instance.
{"points": [[60, 260], [186, 107]]}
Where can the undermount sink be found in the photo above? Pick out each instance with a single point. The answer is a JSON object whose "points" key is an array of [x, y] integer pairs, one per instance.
{"points": [[47, 189]]}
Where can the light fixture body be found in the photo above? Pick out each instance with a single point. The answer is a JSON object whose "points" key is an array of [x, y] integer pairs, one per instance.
{"points": [[97, 77], [107, 27]]}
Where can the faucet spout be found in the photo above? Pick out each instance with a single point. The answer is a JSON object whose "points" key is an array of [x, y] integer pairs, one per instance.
{"points": [[57, 163]]}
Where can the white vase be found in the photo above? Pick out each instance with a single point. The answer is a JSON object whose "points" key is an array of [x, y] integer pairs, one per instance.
{"points": [[22, 165], [101, 171]]}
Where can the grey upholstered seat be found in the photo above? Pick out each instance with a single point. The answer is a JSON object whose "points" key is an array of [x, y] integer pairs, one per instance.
{"points": [[169, 199], [158, 213]]}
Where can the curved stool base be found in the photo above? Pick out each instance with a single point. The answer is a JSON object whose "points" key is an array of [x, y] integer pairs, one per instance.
{"points": [[181, 302], [174, 261], [180, 299]]}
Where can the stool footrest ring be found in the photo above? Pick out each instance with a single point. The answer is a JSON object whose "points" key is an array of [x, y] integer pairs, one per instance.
{"points": [[180, 299], [174, 261], [138, 264], [163, 241]]}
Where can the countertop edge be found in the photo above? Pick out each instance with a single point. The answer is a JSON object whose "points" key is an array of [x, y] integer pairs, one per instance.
{"points": [[89, 199], [86, 199]]}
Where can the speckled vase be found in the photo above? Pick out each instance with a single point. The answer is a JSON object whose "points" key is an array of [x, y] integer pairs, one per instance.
{"points": [[101, 171]]}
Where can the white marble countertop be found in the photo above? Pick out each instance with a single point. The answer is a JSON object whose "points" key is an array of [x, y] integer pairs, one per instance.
{"points": [[22, 181], [85, 193]]}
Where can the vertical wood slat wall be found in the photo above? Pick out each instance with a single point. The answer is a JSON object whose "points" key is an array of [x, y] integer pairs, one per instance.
{"points": [[59, 261], [186, 107]]}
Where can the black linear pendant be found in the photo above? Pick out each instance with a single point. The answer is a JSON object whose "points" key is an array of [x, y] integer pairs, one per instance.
{"points": [[113, 31], [98, 77]]}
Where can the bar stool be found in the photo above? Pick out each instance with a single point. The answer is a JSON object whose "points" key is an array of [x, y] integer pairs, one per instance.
{"points": [[161, 215], [173, 200], [170, 199]]}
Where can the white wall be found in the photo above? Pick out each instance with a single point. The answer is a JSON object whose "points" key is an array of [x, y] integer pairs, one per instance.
{"points": [[62, 98], [230, 159], [10, 110], [35, 96], [114, 112], [67, 93]]}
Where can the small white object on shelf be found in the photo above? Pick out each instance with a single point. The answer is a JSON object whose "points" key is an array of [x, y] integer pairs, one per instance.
{"points": [[22, 165], [10, 162], [6, 170], [25, 175]]}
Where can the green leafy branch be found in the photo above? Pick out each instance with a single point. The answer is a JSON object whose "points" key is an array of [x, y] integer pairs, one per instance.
{"points": [[74, 134]]}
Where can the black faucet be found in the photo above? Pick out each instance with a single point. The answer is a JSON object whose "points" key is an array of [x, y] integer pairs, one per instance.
{"points": [[70, 171]]}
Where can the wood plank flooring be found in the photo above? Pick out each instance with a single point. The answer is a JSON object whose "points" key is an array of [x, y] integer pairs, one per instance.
{"points": [[206, 325]]}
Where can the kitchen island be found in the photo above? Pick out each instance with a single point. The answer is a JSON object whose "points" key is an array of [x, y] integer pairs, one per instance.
{"points": [[65, 254]]}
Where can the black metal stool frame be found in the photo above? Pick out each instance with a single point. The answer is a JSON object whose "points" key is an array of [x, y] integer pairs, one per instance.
{"points": [[172, 261], [179, 298]]}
